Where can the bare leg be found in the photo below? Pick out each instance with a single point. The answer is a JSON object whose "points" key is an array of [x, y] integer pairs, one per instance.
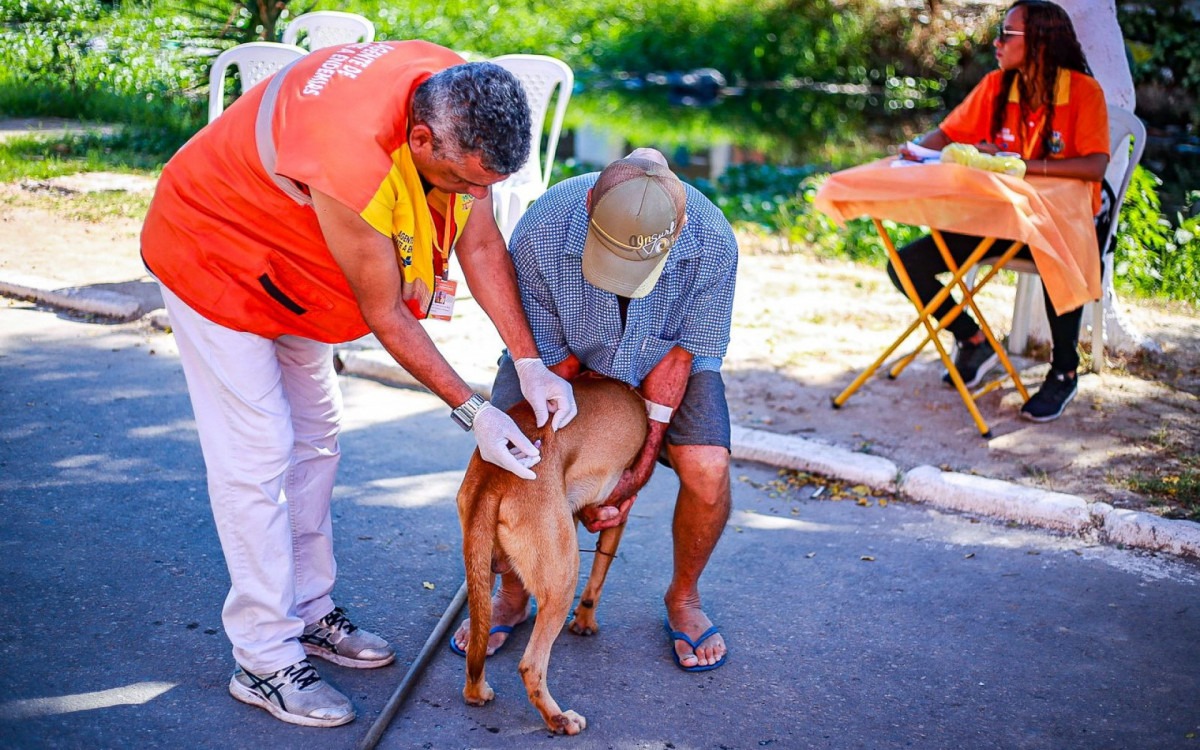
{"points": [[510, 606], [701, 511]]}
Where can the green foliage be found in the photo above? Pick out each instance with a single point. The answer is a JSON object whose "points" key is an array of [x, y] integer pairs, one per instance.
{"points": [[794, 126], [147, 62], [221, 24], [53, 38], [774, 40], [1155, 258], [75, 59], [765, 196], [1164, 38], [39, 158], [769, 41], [780, 201], [940, 53]]}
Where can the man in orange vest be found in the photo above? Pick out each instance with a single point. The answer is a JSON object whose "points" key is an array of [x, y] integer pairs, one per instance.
{"points": [[321, 206]]}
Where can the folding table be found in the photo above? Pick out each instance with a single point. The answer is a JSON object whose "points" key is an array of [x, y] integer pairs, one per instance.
{"points": [[1053, 216]]}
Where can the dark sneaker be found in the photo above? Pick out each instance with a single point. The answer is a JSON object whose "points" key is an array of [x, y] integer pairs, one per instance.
{"points": [[1050, 400], [294, 694], [336, 639], [973, 362]]}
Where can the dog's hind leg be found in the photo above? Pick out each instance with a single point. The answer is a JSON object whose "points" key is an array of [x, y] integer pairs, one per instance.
{"points": [[584, 622], [477, 513], [549, 568]]}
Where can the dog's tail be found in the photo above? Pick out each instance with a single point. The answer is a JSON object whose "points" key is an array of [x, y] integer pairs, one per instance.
{"points": [[479, 505]]}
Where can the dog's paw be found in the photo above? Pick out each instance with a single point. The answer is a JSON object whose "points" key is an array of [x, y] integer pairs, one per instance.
{"points": [[569, 722], [584, 623], [477, 695]]}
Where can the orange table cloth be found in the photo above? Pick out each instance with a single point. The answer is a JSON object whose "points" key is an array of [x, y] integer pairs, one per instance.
{"points": [[1052, 215]]}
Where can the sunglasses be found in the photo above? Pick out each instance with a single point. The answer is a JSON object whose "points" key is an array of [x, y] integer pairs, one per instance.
{"points": [[1003, 34]]}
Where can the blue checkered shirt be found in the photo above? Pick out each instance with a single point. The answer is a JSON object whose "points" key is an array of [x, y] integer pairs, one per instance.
{"points": [[689, 307]]}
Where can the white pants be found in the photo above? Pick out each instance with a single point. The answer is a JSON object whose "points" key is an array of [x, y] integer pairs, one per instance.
{"points": [[268, 413]]}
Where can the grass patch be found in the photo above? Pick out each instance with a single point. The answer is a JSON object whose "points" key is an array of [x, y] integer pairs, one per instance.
{"points": [[1176, 492], [92, 207], [40, 158], [32, 159]]}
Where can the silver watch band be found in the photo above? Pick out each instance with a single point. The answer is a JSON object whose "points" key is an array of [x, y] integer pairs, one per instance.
{"points": [[464, 414]]}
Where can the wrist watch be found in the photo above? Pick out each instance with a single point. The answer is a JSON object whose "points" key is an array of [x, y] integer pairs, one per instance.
{"points": [[464, 415]]}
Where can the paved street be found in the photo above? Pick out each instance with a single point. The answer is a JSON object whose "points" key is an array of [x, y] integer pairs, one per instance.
{"points": [[850, 626]]}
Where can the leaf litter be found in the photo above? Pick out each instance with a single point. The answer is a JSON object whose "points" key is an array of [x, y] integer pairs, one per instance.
{"points": [[794, 486]]}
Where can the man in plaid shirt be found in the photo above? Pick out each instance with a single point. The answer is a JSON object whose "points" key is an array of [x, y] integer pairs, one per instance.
{"points": [[630, 273]]}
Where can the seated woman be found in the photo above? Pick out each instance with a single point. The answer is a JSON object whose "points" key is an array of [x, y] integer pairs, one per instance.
{"points": [[1044, 105]]}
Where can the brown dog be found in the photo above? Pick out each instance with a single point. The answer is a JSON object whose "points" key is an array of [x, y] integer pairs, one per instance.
{"points": [[530, 524]]}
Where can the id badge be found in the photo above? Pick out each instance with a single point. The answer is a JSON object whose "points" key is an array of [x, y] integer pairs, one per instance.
{"points": [[443, 299]]}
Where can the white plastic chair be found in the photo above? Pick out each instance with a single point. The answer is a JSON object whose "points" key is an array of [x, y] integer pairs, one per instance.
{"points": [[254, 61], [327, 28], [1122, 125], [545, 79]]}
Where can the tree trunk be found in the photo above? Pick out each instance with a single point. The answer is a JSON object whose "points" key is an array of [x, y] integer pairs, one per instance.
{"points": [[1096, 26], [1100, 37]]}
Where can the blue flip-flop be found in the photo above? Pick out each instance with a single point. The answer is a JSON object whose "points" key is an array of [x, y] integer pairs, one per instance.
{"points": [[679, 635], [506, 629]]}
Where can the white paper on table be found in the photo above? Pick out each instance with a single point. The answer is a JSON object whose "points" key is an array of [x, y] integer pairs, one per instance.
{"points": [[924, 156]]}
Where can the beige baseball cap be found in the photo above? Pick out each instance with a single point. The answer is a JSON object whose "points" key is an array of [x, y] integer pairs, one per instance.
{"points": [[638, 210]]}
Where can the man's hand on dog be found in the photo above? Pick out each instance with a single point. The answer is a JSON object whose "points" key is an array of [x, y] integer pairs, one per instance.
{"points": [[614, 511], [546, 392], [494, 432], [599, 517]]}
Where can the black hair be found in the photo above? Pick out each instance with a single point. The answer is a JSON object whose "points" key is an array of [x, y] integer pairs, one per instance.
{"points": [[477, 108], [1050, 46]]}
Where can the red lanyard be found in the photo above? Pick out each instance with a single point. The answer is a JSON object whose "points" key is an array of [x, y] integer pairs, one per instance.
{"points": [[1030, 141], [449, 229]]}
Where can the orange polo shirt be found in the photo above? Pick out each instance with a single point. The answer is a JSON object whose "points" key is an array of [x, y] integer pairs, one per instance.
{"points": [[1080, 126], [230, 242]]}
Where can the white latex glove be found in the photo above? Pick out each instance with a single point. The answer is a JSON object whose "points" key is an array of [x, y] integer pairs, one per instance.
{"points": [[546, 392], [494, 430]]}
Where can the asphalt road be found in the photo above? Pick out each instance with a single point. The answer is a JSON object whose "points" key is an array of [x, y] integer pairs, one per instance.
{"points": [[850, 626]]}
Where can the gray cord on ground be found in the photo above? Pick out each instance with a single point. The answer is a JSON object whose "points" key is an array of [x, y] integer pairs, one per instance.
{"points": [[414, 672]]}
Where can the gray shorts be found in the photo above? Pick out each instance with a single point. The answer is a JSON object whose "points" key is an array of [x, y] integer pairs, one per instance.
{"points": [[701, 419]]}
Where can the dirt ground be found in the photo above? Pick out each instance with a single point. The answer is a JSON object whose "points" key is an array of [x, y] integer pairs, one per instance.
{"points": [[803, 328]]}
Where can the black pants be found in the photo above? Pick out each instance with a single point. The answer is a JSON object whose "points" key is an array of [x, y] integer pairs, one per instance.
{"points": [[923, 262]]}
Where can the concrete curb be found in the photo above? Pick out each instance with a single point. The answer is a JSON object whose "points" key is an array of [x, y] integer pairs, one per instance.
{"points": [[788, 452], [997, 499], [379, 365], [1052, 510], [1132, 528], [924, 484], [158, 319], [92, 301]]}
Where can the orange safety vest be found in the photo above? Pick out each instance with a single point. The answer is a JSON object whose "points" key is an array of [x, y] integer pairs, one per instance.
{"points": [[231, 229]]}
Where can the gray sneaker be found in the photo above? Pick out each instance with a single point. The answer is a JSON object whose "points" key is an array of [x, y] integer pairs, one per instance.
{"points": [[973, 362], [336, 639], [294, 694]]}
